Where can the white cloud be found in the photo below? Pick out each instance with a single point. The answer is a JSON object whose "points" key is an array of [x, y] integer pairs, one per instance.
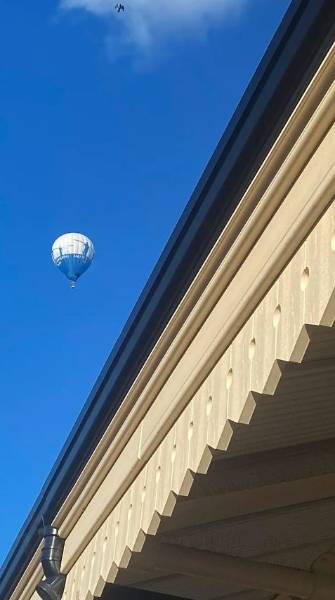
{"points": [[148, 22]]}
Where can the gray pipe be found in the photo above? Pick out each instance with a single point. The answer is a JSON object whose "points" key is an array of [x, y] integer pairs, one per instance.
{"points": [[52, 587]]}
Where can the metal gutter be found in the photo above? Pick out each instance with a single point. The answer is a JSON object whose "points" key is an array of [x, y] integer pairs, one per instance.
{"points": [[293, 56]]}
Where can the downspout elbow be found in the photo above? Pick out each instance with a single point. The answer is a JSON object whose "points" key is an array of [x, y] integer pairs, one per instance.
{"points": [[52, 587]]}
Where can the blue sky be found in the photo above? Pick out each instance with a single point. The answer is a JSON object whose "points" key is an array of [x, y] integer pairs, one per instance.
{"points": [[106, 123]]}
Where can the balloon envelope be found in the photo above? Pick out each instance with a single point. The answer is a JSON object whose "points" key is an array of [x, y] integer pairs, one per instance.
{"points": [[72, 253]]}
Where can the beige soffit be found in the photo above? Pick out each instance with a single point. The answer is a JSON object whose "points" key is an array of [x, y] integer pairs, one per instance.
{"points": [[289, 193]]}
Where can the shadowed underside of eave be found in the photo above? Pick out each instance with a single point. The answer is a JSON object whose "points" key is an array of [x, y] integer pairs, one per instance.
{"points": [[269, 497]]}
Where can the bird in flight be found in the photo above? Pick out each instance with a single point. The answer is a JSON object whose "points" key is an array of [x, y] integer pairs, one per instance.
{"points": [[119, 7]]}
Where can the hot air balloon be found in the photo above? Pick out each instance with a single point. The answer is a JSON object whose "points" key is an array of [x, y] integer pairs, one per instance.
{"points": [[72, 253]]}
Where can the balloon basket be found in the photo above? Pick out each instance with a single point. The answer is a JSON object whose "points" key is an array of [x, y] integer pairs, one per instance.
{"points": [[72, 285]]}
